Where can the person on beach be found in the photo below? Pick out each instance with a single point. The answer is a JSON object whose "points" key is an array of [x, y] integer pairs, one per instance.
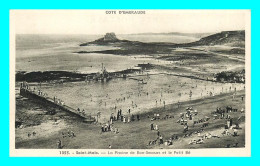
{"points": [[186, 128], [161, 139], [156, 127], [152, 128], [72, 134], [111, 118], [235, 132], [242, 110], [158, 133], [102, 129], [170, 142], [118, 115], [190, 117], [228, 123], [108, 127], [138, 117], [59, 144], [132, 117]]}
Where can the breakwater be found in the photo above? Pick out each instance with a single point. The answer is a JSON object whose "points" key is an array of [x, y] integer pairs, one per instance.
{"points": [[25, 91]]}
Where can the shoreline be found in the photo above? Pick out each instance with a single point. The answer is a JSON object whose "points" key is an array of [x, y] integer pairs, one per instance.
{"points": [[68, 76]]}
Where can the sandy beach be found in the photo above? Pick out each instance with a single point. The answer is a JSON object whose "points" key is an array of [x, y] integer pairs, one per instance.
{"points": [[129, 137]]}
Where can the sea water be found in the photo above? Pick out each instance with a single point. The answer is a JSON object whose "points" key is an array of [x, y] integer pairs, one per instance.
{"points": [[57, 53]]}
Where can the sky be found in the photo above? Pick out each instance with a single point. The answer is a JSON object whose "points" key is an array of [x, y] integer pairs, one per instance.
{"points": [[98, 22]]}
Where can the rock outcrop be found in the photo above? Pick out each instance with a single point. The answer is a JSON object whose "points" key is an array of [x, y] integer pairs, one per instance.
{"points": [[110, 37]]}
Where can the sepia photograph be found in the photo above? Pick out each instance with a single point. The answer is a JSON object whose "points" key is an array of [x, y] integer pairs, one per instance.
{"points": [[105, 82]]}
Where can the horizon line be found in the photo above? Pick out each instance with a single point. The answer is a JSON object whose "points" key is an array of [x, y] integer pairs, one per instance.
{"points": [[126, 33]]}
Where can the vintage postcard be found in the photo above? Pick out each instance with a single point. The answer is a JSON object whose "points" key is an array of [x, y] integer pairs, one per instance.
{"points": [[115, 83]]}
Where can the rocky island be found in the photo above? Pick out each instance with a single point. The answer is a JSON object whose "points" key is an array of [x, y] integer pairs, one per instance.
{"points": [[108, 38]]}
